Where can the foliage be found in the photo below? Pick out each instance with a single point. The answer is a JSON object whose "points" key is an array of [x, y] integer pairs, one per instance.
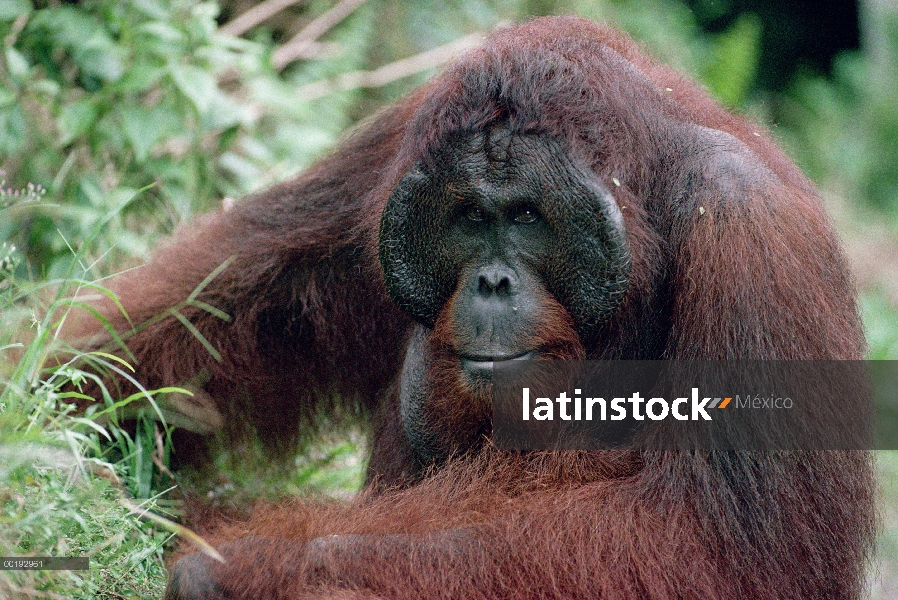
{"points": [[885, 579], [101, 99], [880, 318], [51, 510], [65, 474], [845, 131], [59, 493]]}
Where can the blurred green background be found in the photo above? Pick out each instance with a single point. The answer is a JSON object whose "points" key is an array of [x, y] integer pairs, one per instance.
{"points": [[120, 119]]}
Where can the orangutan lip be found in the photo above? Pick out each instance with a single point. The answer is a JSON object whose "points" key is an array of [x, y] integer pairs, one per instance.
{"points": [[486, 362]]}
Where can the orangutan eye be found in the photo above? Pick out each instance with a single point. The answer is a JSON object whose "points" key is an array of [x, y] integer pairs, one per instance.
{"points": [[526, 215], [474, 214]]}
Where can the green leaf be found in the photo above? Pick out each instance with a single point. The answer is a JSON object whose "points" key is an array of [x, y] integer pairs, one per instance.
{"points": [[732, 70], [165, 36], [99, 58], [225, 112], [84, 36], [76, 119], [139, 77], [199, 86], [196, 333], [90, 190], [13, 130], [208, 279], [7, 97], [10, 10], [211, 310], [144, 127], [17, 64], [45, 86]]}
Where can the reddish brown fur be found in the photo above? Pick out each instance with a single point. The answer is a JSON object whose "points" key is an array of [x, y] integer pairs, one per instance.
{"points": [[733, 257]]}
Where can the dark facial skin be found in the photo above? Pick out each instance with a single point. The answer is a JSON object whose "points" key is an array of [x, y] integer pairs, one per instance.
{"points": [[498, 224], [485, 244], [494, 223]]}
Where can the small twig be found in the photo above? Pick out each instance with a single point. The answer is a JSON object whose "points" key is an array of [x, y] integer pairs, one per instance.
{"points": [[159, 454], [319, 50], [14, 31], [256, 15], [390, 72], [298, 46]]}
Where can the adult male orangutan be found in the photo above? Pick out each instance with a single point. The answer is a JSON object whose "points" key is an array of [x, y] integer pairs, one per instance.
{"points": [[552, 194]]}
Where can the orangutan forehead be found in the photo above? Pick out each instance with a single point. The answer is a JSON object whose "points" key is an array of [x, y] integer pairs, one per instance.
{"points": [[497, 152]]}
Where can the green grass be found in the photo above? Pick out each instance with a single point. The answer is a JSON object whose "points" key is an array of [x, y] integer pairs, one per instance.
{"points": [[78, 483], [50, 508], [884, 583]]}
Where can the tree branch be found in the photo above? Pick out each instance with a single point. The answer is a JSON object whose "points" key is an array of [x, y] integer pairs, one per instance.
{"points": [[299, 45], [392, 71], [255, 16]]}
